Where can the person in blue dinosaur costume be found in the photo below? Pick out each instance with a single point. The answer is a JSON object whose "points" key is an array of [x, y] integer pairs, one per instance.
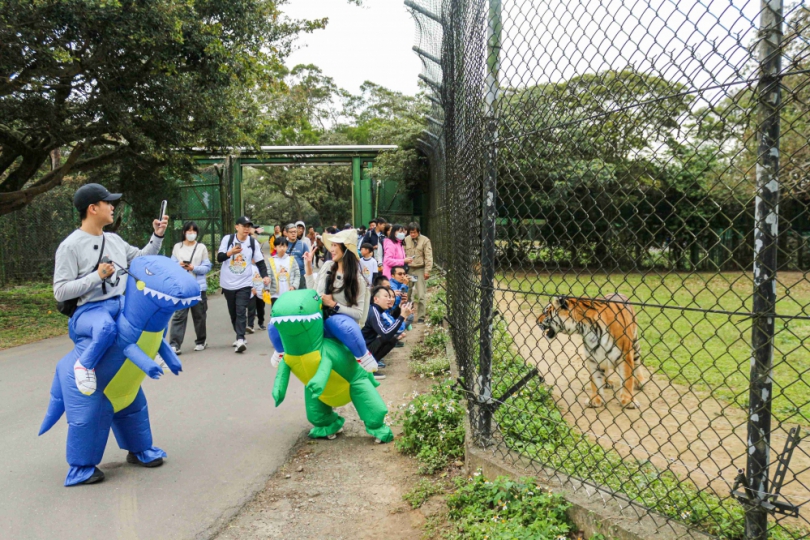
{"points": [[330, 371], [156, 288]]}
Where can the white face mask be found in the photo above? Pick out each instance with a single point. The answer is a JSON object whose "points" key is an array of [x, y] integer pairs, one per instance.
{"points": [[191, 237], [400, 236]]}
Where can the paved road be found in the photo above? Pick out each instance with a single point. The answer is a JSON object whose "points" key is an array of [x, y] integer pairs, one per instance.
{"points": [[216, 421]]}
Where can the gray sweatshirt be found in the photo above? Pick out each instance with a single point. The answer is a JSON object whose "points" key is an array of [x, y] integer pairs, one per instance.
{"points": [[74, 275]]}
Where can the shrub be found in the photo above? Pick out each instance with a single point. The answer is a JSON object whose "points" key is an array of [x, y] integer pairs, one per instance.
{"points": [[421, 492], [433, 427], [506, 508]]}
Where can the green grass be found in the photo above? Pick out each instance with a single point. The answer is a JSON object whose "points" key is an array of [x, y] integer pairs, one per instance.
{"points": [[28, 313], [709, 351]]}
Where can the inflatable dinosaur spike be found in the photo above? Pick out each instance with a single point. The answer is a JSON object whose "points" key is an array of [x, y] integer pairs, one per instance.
{"points": [[156, 288], [330, 372]]}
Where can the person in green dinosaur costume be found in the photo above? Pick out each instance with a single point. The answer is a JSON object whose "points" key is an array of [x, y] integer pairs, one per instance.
{"points": [[329, 370]]}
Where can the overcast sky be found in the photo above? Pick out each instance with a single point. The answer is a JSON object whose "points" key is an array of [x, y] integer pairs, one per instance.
{"points": [[372, 43]]}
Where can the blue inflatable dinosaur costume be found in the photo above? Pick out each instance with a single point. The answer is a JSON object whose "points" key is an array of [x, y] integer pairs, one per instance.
{"points": [[156, 288]]}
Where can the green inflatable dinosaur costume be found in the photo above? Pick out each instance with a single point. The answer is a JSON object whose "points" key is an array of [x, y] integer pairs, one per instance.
{"points": [[330, 372]]}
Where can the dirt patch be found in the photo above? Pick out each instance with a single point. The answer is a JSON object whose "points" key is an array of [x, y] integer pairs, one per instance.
{"points": [[676, 426], [345, 488]]}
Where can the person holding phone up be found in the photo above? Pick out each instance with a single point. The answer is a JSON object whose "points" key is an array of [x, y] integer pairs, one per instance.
{"points": [[193, 258], [239, 253], [85, 281]]}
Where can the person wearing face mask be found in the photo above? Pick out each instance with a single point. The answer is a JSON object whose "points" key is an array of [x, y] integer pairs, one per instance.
{"points": [[193, 258], [394, 250]]}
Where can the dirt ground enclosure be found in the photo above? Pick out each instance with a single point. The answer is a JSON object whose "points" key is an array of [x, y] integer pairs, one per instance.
{"points": [[695, 357]]}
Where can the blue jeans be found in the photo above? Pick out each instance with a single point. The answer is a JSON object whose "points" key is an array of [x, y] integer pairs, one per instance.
{"points": [[92, 328], [340, 327]]}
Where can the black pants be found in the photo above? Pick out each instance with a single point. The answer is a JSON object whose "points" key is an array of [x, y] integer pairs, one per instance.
{"points": [[238, 301], [379, 348], [199, 313], [256, 310]]}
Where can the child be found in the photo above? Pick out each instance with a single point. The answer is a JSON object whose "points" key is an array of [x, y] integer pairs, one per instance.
{"points": [[368, 264], [283, 271]]}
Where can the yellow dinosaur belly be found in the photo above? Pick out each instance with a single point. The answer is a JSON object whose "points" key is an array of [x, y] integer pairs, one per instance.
{"points": [[337, 391], [123, 388]]}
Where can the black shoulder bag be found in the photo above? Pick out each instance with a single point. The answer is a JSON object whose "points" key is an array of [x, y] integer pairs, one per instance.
{"points": [[68, 307]]}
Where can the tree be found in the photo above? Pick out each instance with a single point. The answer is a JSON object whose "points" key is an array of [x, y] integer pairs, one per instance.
{"points": [[310, 109], [84, 84]]}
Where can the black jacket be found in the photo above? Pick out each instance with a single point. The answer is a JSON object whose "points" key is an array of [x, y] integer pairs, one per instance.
{"points": [[375, 326]]}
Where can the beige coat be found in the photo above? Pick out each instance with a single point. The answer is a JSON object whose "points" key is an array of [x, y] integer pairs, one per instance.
{"points": [[421, 251]]}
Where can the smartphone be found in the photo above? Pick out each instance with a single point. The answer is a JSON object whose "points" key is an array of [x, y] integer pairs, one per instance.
{"points": [[162, 213]]}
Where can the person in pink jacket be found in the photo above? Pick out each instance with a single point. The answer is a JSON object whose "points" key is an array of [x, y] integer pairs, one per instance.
{"points": [[394, 250]]}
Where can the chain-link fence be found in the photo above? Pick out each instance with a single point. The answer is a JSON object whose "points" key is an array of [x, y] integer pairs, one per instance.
{"points": [[620, 196]]}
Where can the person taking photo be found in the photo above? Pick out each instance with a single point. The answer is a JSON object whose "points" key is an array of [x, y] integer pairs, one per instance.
{"points": [[85, 281]]}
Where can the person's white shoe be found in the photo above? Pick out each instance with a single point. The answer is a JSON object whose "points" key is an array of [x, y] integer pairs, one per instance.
{"points": [[249, 329], [368, 362], [85, 379], [240, 346], [276, 359], [235, 343], [200, 346], [175, 350]]}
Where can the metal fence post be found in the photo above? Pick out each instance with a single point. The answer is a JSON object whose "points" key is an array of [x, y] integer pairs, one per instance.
{"points": [[766, 231], [489, 217]]}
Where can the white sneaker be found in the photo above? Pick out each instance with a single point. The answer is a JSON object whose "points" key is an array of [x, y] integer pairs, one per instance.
{"points": [[200, 346], [249, 329], [368, 362], [240, 346], [176, 350], [276, 359], [85, 378], [235, 343]]}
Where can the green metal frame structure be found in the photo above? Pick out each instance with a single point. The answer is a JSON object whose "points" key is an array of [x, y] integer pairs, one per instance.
{"points": [[360, 158]]}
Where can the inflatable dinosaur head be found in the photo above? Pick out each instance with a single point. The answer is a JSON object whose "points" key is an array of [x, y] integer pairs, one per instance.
{"points": [[297, 317], [158, 286]]}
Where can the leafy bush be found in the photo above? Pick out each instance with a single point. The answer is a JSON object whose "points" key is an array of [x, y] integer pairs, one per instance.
{"points": [[506, 509], [437, 308], [212, 280], [433, 427], [421, 492], [432, 367]]}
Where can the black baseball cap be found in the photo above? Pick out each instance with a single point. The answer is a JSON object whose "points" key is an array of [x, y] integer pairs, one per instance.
{"points": [[244, 220], [91, 194]]}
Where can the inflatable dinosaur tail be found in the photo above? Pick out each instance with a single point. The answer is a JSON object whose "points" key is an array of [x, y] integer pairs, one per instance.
{"points": [[56, 407]]}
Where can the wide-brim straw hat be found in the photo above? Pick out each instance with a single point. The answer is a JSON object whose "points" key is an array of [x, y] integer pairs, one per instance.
{"points": [[347, 237]]}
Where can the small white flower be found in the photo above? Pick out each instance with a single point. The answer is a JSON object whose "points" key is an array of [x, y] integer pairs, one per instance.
{"points": [[430, 413]]}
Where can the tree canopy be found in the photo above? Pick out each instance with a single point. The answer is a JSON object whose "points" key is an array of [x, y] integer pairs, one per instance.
{"points": [[89, 83]]}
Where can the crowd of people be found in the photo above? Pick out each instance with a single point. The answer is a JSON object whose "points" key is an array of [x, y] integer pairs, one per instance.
{"points": [[372, 282]]}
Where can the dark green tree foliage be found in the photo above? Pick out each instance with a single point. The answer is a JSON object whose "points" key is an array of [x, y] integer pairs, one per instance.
{"points": [[85, 84], [310, 109], [605, 167]]}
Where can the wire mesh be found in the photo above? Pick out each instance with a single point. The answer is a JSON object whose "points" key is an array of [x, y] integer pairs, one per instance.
{"points": [[619, 193]]}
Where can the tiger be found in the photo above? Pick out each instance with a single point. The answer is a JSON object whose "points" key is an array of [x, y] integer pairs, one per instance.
{"points": [[609, 340]]}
